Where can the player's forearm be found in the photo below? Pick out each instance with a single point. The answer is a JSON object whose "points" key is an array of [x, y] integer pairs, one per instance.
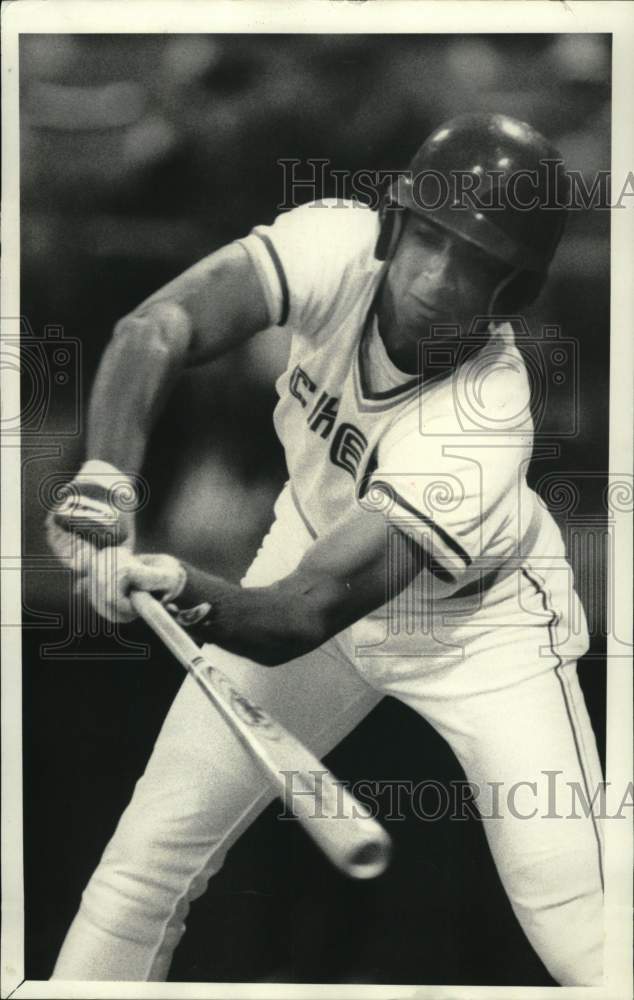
{"points": [[270, 625], [199, 316], [342, 577], [140, 364]]}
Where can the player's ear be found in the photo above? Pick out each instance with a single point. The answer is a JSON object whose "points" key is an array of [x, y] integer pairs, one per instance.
{"points": [[392, 219]]}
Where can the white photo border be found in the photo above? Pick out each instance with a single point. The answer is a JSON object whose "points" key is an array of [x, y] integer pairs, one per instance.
{"points": [[314, 17]]}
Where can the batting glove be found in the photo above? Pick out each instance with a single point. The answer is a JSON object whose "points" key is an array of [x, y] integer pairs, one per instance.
{"points": [[97, 511]]}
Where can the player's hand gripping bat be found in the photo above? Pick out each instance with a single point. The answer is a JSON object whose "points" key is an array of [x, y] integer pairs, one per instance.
{"points": [[342, 827]]}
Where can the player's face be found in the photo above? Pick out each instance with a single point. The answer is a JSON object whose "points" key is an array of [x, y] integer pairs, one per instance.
{"points": [[435, 278]]}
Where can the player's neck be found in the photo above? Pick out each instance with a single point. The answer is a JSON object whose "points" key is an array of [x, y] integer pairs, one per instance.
{"points": [[409, 356], [402, 353]]}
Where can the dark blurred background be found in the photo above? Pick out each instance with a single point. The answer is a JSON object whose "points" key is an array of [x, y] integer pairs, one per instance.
{"points": [[141, 154]]}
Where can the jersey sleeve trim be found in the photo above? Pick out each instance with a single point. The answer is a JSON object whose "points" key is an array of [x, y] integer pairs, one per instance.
{"points": [[445, 538], [279, 270], [309, 528]]}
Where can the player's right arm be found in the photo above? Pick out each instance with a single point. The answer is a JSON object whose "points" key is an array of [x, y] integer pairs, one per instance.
{"points": [[287, 273], [199, 316], [205, 312], [290, 272]]}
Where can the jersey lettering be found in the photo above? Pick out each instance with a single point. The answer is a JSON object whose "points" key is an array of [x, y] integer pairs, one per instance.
{"points": [[297, 379], [349, 443], [325, 415], [346, 450]]}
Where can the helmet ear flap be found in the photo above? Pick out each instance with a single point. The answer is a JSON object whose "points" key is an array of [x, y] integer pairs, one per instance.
{"points": [[391, 216], [520, 291]]}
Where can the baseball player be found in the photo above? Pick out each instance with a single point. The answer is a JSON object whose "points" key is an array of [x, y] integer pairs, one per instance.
{"points": [[407, 557]]}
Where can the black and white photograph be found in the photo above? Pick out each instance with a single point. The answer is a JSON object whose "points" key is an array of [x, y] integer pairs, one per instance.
{"points": [[316, 360]]}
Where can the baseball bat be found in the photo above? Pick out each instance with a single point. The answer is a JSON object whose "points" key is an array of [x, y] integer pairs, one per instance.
{"points": [[340, 825]]}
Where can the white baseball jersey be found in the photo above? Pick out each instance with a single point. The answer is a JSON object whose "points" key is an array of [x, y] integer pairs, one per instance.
{"points": [[445, 459]]}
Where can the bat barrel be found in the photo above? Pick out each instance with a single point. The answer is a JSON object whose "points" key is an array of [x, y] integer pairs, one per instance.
{"points": [[339, 824], [358, 850], [370, 859]]}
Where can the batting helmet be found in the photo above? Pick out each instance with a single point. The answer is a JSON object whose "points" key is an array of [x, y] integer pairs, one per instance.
{"points": [[492, 180]]}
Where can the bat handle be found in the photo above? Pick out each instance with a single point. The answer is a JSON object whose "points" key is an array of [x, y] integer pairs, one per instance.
{"points": [[179, 643]]}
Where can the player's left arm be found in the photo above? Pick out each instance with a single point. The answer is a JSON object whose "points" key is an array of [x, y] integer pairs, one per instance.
{"points": [[342, 577]]}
